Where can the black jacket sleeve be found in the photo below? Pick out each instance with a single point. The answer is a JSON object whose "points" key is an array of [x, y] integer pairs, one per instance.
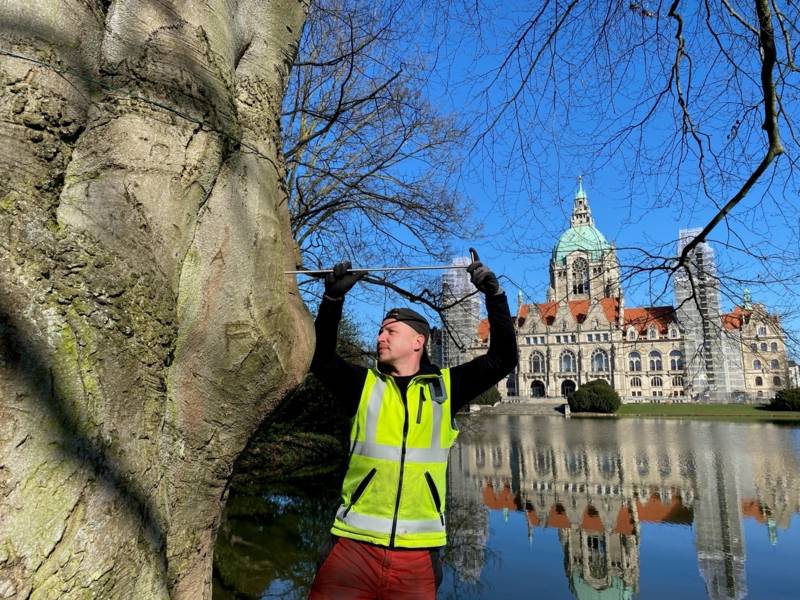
{"points": [[469, 380], [344, 379]]}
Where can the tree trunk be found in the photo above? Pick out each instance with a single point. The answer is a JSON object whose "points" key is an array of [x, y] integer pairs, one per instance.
{"points": [[146, 327]]}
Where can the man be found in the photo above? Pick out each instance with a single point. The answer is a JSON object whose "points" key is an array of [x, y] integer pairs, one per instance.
{"points": [[390, 525]]}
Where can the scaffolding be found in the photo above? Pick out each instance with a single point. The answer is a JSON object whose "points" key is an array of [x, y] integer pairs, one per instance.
{"points": [[459, 323]]}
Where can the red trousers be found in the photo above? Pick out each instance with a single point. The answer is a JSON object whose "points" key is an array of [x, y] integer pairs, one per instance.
{"points": [[359, 571]]}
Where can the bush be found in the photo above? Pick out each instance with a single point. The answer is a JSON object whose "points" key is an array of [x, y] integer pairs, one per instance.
{"points": [[786, 400], [595, 396], [488, 398]]}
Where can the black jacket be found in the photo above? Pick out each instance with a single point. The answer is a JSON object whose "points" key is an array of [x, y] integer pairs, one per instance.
{"points": [[467, 380]]}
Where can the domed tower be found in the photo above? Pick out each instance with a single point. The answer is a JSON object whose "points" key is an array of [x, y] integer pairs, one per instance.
{"points": [[584, 265]]}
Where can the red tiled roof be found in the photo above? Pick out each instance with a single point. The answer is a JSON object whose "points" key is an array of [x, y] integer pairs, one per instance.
{"points": [[655, 511], [579, 308], [642, 318], [483, 330], [752, 509], [736, 319], [591, 520], [624, 522], [505, 499]]}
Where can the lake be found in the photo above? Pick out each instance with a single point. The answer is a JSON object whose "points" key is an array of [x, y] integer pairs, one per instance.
{"points": [[548, 507]]}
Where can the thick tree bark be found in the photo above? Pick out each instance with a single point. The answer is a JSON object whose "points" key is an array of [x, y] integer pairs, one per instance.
{"points": [[146, 327]]}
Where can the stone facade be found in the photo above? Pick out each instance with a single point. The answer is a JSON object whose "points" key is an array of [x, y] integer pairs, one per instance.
{"points": [[585, 331]]}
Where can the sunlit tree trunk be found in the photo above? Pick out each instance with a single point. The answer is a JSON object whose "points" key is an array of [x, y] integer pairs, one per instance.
{"points": [[146, 327]]}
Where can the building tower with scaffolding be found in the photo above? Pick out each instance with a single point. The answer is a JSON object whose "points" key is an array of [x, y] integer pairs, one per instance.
{"points": [[714, 371], [459, 323]]}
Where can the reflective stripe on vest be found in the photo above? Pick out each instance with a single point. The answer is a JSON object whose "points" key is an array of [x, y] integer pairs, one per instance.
{"points": [[394, 489], [380, 524], [369, 447]]}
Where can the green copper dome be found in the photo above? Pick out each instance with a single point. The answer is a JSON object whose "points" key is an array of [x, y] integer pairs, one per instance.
{"points": [[582, 237]]}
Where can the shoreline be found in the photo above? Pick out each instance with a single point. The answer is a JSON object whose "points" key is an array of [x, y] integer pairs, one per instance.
{"points": [[717, 412]]}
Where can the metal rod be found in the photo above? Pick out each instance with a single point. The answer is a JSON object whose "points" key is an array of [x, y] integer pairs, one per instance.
{"points": [[385, 269]]}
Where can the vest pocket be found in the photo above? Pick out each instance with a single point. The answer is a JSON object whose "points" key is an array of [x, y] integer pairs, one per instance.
{"points": [[437, 501], [359, 490]]}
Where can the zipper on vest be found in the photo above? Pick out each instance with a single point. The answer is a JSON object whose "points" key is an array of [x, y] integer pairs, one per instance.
{"points": [[402, 468], [359, 490], [421, 402], [437, 501]]}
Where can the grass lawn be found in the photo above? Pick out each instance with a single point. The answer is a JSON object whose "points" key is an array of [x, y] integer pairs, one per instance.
{"points": [[707, 411]]}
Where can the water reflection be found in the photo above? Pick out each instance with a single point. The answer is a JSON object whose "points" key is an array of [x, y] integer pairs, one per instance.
{"points": [[598, 482], [567, 508]]}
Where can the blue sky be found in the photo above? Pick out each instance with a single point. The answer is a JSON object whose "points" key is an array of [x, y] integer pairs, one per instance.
{"points": [[520, 173]]}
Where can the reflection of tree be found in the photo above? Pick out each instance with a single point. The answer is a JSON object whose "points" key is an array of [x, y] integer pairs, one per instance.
{"points": [[268, 544]]}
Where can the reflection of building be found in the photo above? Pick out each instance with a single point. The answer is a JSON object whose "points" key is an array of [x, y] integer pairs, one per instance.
{"points": [[598, 481], [585, 331]]}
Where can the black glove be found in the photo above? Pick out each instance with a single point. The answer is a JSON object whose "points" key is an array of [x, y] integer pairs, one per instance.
{"points": [[338, 283], [484, 279]]}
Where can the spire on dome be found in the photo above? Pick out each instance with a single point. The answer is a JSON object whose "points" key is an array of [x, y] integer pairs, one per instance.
{"points": [[581, 214]]}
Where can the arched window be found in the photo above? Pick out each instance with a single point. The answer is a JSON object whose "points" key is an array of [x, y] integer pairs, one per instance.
{"points": [[655, 360], [563, 325], [756, 364], [631, 334], [536, 363], [656, 382], [599, 361], [776, 380], [673, 332], [676, 360], [636, 382], [774, 364], [762, 330], [677, 381], [759, 381], [567, 362], [634, 361], [580, 277], [763, 346], [773, 347], [652, 333]]}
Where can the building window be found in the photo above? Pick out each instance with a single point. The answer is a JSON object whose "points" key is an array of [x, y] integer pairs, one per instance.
{"points": [[568, 363], [757, 364], [563, 325], [631, 334], [677, 381], [676, 360], [656, 382], [636, 382], [655, 360], [762, 330], [759, 381], [776, 381], [605, 337], [673, 332], [580, 277], [634, 361], [652, 333], [596, 324], [773, 347], [754, 347], [774, 364], [599, 361], [536, 362], [589, 337], [558, 339], [763, 346]]}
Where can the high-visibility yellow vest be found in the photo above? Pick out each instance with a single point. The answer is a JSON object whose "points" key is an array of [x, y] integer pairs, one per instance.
{"points": [[396, 482]]}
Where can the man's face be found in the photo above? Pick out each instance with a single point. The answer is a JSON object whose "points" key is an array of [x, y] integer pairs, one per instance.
{"points": [[398, 341]]}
